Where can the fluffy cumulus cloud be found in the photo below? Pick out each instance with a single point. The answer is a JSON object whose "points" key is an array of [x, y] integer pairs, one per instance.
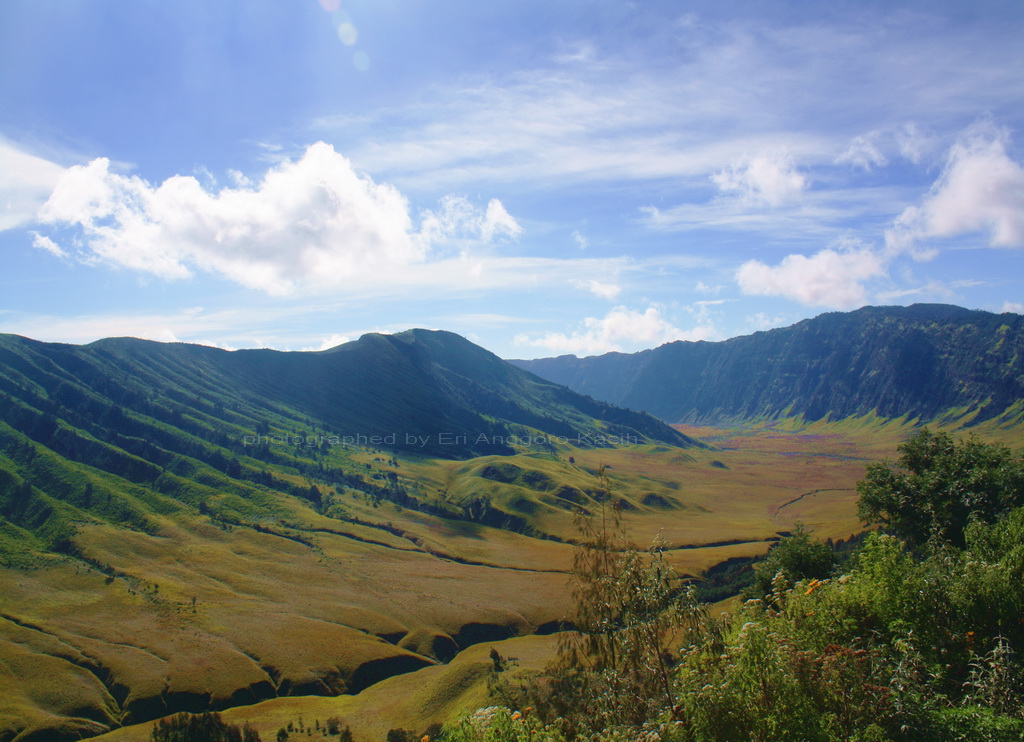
{"points": [[981, 189], [620, 329], [25, 183], [877, 148], [769, 179], [313, 222], [829, 278], [458, 221]]}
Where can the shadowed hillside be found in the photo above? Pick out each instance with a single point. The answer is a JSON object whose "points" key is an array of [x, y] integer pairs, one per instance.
{"points": [[926, 361], [187, 528]]}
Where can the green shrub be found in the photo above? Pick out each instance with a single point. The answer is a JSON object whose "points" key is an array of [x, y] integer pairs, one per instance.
{"points": [[797, 557], [938, 486], [205, 727]]}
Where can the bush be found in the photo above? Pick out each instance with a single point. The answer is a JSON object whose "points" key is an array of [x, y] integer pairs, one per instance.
{"points": [[797, 557], [205, 727], [939, 485]]}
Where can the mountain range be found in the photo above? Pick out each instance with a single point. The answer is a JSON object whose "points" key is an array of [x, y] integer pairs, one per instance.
{"points": [[188, 528], [925, 362]]}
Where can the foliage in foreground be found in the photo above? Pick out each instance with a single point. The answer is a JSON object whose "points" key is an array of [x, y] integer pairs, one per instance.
{"points": [[939, 485], [921, 641]]}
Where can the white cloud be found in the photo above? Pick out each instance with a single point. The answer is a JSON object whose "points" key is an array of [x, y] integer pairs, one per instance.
{"points": [[767, 179], [1013, 306], [313, 223], [929, 291], [706, 289], [829, 278], [610, 118], [498, 222], [699, 97], [913, 143], [864, 153], [609, 291], [879, 147], [981, 189], [331, 341], [819, 215], [619, 329], [761, 321], [25, 183], [40, 242], [581, 241], [86, 328], [457, 222]]}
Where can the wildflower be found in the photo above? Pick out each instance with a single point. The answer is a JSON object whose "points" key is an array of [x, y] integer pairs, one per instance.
{"points": [[516, 716], [483, 719], [425, 738], [815, 584]]}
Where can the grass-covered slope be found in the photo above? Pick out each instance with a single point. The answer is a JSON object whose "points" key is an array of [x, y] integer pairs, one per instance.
{"points": [[926, 361], [183, 527]]}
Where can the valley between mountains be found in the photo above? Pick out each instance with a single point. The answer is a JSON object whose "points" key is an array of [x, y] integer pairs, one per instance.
{"points": [[347, 533]]}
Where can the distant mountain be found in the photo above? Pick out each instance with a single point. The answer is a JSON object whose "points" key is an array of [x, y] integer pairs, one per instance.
{"points": [[925, 361], [419, 391]]}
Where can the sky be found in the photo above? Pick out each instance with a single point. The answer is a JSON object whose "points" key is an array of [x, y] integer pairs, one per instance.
{"points": [[541, 176]]}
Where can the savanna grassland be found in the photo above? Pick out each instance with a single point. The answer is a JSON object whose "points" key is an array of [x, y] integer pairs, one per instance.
{"points": [[426, 589]]}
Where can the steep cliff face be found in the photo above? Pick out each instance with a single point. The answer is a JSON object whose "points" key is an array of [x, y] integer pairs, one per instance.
{"points": [[921, 361]]}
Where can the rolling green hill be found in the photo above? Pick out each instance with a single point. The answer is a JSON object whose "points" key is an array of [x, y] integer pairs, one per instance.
{"points": [[928, 362], [182, 420], [183, 527]]}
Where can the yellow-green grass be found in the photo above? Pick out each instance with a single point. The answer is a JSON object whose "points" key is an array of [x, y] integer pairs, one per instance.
{"points": [[316, 604], [271, 616], [412, 701]]}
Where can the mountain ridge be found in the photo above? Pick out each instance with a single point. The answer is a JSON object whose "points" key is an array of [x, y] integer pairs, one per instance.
{"points": [[411, 383], [921, 361], [185, 528]]}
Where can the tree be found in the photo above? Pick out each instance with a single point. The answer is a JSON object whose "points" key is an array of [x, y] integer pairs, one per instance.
{"points": [[615, 669], [797, 557], [496, 662], [205, 727], [939, 485]]}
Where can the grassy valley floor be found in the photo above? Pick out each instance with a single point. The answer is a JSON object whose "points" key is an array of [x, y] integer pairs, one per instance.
{"points": [[393, 608]]}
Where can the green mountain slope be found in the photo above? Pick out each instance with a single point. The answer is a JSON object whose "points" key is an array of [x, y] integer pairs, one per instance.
{"points": [[183, 527], [926, 361]]}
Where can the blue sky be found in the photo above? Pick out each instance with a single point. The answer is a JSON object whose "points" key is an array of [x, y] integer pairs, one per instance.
{"points": [[541, 177]]}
